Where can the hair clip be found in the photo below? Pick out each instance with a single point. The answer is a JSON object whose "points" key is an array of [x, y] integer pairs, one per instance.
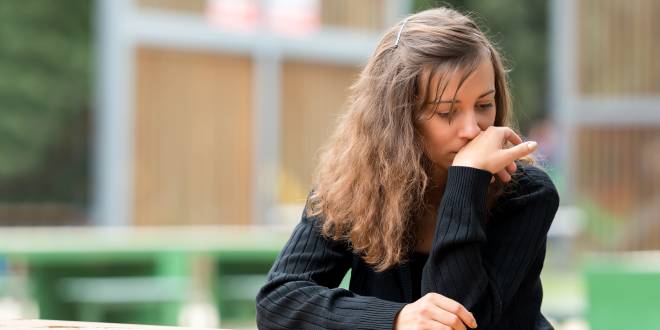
{"points": [[398, 35]]}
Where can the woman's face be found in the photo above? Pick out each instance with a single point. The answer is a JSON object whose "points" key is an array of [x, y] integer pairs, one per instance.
{"points": [[474, 112]]}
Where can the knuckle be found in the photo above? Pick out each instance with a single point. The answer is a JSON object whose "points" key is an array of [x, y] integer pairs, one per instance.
{"points": [[421, 323], [454, 320], [454, 307], [430, 295]]}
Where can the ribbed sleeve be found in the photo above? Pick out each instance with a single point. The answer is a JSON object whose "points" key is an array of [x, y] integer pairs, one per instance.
{"points": [[516, 247], [483, 266], [524, 311], [301, 291]]}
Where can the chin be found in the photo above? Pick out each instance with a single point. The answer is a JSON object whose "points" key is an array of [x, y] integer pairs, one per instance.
{"points": [[445, 164]]}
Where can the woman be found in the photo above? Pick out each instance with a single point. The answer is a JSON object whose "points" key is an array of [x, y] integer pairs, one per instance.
{"points": [[425, 193]]}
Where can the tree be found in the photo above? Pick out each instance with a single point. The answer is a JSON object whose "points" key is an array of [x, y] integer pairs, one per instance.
{"points": [[45, 75]]}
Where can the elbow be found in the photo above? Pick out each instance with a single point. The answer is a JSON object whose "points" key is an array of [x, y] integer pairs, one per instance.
{"points": [[552, 196], [271, 310], [262, 311], [551, 200], [261, 316], [262, 307]]}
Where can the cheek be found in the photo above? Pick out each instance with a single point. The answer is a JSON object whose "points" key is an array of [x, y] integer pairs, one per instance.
{"points": [[488, 119], [436, 143]]}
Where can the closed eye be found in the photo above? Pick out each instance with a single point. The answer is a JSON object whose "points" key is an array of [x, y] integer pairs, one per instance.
{"points": [[485, 106], [481, 107]]}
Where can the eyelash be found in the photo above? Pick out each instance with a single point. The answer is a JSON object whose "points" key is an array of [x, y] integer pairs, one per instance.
{"points": [[482, 107]]}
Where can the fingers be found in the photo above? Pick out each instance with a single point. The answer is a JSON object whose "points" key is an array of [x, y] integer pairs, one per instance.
{"points": [[443, 319], [519, 151], [455, 308], [451, 320], [504, 176], [511, 168], [511, 136]]}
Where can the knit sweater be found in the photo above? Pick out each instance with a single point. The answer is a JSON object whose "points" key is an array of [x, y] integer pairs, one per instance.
{"points": [[492, 268]]}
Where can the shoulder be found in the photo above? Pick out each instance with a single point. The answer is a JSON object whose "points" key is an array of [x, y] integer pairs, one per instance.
{"points": [[310, 215], [313, 219], [530, 184]]}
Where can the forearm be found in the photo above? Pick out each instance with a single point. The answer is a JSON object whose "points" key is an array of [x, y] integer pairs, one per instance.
{"points": [[301, 290], [462, 264], [455, 268], [304, 305]]}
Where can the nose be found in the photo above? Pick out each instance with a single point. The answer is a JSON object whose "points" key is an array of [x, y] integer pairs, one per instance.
{"points": [[468, 126]]}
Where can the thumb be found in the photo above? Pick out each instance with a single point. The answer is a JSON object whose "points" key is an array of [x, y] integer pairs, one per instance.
{"points": [[521, 150]]}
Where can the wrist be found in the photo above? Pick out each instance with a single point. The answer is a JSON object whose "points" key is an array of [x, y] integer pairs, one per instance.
{"points": [[458, 161], [467, 184], [395, 325]]}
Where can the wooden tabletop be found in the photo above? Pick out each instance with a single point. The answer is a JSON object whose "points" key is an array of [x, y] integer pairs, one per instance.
{"points": [[72, 325]]}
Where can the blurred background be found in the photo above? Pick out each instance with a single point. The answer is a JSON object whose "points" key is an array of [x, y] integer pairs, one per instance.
{"points": [[155, 154]]}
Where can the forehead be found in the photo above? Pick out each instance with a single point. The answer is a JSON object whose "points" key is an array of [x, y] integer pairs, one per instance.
{"points": [[478, 77]]}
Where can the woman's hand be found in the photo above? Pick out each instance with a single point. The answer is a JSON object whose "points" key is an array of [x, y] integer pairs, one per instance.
{"points": [[434, 311], [485, 152]]}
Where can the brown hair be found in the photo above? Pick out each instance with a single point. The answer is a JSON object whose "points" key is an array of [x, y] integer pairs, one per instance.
{"points": [[373, 174]]}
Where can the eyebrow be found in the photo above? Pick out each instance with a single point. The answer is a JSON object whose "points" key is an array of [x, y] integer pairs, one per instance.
{"points": [[459, 101]]}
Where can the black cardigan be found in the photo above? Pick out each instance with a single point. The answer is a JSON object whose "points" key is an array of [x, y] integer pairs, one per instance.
{"points": [[492, 269]]}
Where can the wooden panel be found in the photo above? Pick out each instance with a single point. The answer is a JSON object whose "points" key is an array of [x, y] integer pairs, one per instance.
{"points": [[619, 170], [363, 14], [193, 139], [313, 96], [186, 6], [618, 47]]}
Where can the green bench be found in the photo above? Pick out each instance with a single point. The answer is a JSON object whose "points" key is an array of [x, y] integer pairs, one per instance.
{"points": [[143, 275], [623, 291]]}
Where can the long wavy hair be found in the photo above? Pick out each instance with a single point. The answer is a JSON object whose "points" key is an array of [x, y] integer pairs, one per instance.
{"points": [[373, 174]]}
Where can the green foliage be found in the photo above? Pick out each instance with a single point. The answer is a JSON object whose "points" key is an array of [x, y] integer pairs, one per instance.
{"points": [[603, 229], [519, 29], [45, 63]]}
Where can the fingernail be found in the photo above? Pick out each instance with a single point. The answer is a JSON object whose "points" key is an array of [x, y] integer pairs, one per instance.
{"points": [[532, 145]]}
